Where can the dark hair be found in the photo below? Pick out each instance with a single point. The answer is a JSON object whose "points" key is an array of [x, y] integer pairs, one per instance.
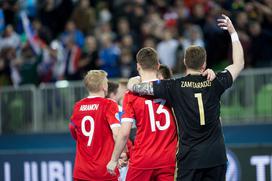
{"points": [[112, 88], [147, 58], [195, 57], [165, 72]]}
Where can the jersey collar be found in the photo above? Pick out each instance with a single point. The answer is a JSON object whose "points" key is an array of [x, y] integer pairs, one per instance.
{"points": [[149, 80], [94, 97]]}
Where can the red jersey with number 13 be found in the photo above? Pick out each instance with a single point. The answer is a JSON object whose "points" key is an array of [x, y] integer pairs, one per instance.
{"points": [[92, 120], [156, 138]]}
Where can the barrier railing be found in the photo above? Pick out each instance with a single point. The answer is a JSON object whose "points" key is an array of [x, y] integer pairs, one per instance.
{"points": [[48, 108], [249, 100]]}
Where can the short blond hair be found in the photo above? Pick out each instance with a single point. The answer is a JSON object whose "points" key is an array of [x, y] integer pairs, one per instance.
{"points": [[94, 79]]}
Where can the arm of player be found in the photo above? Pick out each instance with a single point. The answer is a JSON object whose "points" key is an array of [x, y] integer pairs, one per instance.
{"points": [[73, 130], [135, 85], [146, 88], [237, 49], [115, 131], [119, 146]]}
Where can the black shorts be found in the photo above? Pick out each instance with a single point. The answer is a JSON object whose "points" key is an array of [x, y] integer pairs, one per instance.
{"points": [[217, 173]]}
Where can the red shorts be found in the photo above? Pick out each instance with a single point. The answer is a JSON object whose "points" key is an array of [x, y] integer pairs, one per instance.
{"points": [[75, 179], [159, 174]]}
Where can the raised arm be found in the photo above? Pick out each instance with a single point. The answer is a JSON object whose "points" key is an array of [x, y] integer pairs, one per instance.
{"points": [[237, 50]]}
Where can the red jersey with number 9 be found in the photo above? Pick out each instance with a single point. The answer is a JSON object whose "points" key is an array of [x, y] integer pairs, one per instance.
{"points": [[91, 124], [156, 138]]}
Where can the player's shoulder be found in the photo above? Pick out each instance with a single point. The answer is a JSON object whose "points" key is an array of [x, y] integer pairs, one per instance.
{"points": [[110, 101], [166, 82], [223, 74], [129, 94], [81, 101]]}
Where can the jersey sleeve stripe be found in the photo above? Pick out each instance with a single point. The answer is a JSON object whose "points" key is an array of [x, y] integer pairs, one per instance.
{"points": [[131, 120], [116, 125]]}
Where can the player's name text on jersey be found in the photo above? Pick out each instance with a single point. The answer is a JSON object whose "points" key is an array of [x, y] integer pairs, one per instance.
{"points": [[89, 107], [196, 85]]}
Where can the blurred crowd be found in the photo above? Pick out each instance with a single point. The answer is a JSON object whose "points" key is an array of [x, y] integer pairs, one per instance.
{"points": [[50, 40]]}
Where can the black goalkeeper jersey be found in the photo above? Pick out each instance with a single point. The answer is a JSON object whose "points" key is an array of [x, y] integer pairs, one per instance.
{"points": [[196, 104]]}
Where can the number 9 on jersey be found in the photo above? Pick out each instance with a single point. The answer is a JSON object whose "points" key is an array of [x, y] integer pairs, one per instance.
{"points": [[84, 131]]}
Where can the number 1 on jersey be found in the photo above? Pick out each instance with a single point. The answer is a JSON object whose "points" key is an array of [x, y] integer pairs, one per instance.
{"points": [[201, 108]]}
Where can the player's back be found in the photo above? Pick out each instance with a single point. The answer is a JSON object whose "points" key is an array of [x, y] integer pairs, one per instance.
{"points": [[196, 102], [93, 119], [156, 139]]}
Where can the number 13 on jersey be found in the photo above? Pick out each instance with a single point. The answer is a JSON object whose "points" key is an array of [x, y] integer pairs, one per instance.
{"points": [[160, 110]]}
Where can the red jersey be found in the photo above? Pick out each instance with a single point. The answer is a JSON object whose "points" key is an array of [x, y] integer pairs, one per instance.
{"points": [[91, 124], [156, 138]]}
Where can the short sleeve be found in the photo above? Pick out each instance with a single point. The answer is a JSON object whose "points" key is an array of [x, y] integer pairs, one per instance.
{"points": [[225, 79], [112, 114], [161, 88], [128, 112]]}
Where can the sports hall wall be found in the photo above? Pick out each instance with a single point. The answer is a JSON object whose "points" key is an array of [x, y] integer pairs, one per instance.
{"points": [[42, 157]]}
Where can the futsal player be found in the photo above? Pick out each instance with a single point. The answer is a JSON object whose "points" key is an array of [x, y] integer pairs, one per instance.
{"points": [[94, 125], [164, 72], [154, 150]]}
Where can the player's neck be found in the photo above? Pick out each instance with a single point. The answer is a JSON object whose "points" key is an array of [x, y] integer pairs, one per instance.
{"points": [[97, 94], [193, 72], [149, 76]]}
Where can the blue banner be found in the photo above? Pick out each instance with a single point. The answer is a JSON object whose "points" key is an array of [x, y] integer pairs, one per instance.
{"points": [[36, 166]]}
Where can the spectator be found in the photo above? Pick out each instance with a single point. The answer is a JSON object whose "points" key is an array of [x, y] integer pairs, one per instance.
{"points": [[89, 59], [193, 36], [261, 55], [128, 43], [127, 64], [84, 16], [104, 12], [28, 66], [10, 9], [57, 56], [41, 31], [72, 31], [71, 60], [123, 27], [167, 50], [104, 28], [54, 14], [10, 38], [109, 56], [5, 70], [149, 42]]}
